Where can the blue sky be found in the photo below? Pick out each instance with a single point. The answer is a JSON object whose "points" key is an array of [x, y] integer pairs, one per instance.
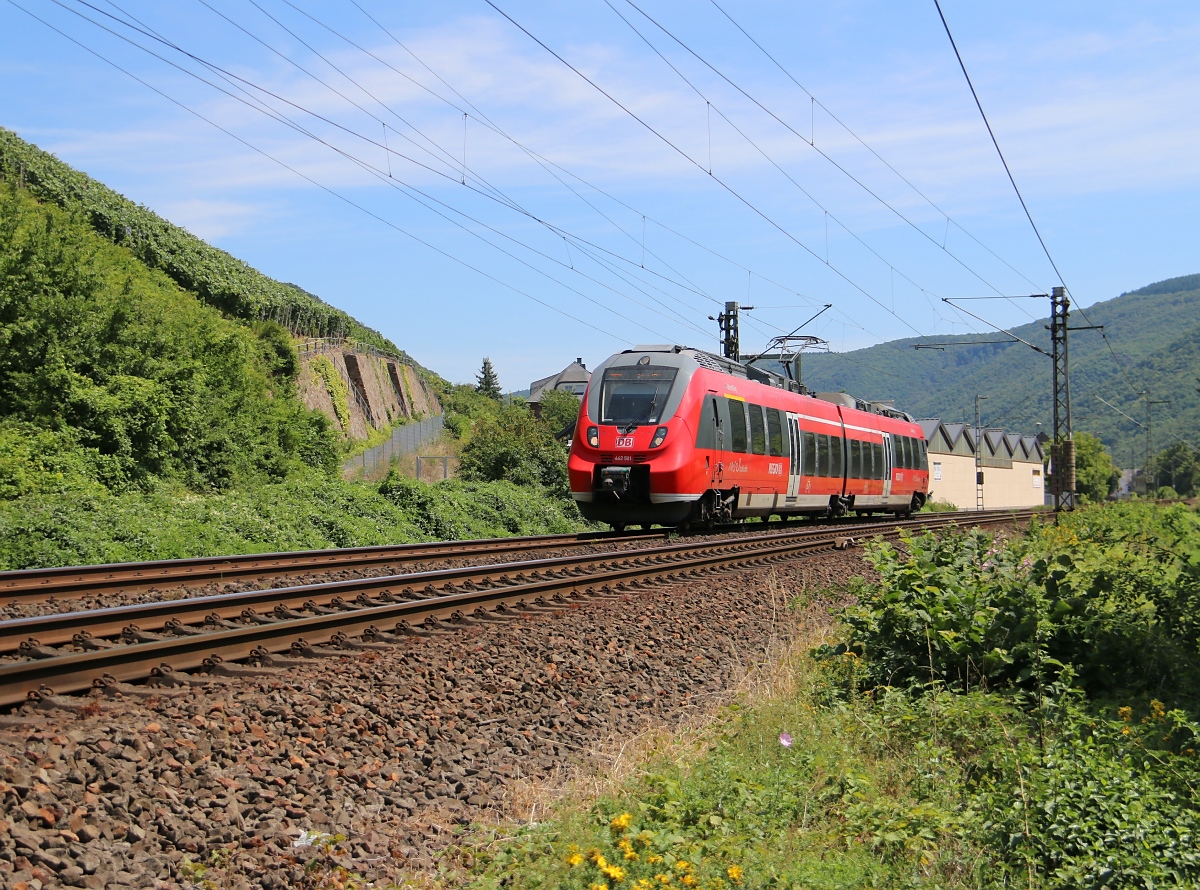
{"points": [[578, 231]]}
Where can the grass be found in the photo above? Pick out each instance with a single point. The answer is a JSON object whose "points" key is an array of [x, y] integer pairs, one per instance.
{"points": [[782, 787], [169, 521]]}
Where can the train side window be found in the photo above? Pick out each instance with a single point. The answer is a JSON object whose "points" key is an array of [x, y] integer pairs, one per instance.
{"points": [[905, 453], [737, 425], [877, 447], [775, 432], [924, 455], [706, 429], [835, 457], [914, 454], [855, 459], [810, 454], [758, 430], [822, 455]]}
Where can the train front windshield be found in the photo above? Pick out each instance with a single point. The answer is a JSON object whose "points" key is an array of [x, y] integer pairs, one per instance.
{"points": [[635, 395]]}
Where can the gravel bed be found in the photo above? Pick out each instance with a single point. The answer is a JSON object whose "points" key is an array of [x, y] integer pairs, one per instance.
{"points": [[393, 748], [13, 610]]}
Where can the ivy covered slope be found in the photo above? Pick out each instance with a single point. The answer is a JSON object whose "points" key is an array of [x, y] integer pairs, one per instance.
{"points": [[1154, 332], [217, 278], [112, 375]]}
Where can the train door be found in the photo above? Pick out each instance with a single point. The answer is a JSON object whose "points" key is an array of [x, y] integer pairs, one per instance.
{"points": [[794, 440], [888, 463], [713, 415]]}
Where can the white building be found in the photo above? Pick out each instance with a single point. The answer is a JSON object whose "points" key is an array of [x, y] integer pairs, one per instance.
{"points": [[1012, 466]]}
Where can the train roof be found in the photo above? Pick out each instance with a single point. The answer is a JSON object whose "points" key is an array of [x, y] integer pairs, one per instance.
{"points": [[723, 365]]}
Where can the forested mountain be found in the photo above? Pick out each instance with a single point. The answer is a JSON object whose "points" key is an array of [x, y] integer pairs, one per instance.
{"points": [[1154, 334]]}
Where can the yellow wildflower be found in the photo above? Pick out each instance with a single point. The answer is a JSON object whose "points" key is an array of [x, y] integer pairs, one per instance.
{"points": [[621, 822], [654, 860], [682, 865], [645, 838], [1158, 708], [643, 884], [614, 871], [663, 878], [597, 886], [631, 856], [574, 859], [1125, 713], [735, 873], [1124, 730], [598, 858], [689, 880]]}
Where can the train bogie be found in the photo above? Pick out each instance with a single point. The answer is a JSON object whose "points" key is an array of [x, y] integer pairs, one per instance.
{"points": [[669, 435]]}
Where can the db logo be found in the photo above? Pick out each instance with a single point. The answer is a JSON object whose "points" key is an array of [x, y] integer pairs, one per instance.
{"points": [[624, 441]]}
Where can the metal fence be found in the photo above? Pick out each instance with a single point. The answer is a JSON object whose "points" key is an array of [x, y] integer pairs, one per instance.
{"points": [[404, 440]]}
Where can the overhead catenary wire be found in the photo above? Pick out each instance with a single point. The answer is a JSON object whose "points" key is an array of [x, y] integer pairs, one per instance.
{"points": [[811, 143], [1020, 197], [742, 199], [503, 199], [815, 102], [550, 166], [711, 107], [374, 170], [554, 169], [334, 193]]}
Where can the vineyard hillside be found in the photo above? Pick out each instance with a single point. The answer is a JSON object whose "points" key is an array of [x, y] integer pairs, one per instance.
{"points": [[221, 280]]}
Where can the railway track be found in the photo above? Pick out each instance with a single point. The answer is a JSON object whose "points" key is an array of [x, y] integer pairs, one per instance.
{"points": [[69, 652], [73, 582]]}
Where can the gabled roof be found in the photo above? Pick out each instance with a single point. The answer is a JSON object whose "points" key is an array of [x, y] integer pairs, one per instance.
{"points": [[575, 372], [961, 438], [996, 442], [955, 431]]}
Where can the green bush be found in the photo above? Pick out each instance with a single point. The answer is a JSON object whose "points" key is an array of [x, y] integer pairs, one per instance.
{"points": [[82, 523], [1097, 614], [135, 374], [1113, 591], [514, 446]]}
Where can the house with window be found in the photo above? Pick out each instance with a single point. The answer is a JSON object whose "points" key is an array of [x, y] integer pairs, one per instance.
{"points": [[573, 379]]}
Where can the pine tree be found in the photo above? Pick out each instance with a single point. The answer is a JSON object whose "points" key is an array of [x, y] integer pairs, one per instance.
{"points": [[488, 383]]}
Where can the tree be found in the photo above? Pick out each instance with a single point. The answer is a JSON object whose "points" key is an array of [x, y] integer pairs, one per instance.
{"points": [[487, 381], [516, 447], [559, 409], [1179, 468], [1095, 476]]}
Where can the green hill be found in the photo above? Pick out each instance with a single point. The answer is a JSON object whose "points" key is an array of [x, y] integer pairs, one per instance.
{"points": [[150, 406], [1154, 333], [221, 280]]}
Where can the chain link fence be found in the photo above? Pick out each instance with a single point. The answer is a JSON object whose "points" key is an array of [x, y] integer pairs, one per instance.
{"points": [[407, 439]]}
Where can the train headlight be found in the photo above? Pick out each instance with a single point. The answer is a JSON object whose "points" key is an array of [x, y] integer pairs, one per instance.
{"points": [[593, 436], [660, 436]]}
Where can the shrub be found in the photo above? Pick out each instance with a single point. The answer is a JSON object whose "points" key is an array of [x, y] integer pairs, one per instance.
{"points": [[515, 447]]}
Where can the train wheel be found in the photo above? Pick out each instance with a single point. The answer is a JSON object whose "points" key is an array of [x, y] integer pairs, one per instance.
{"points": [[618, 526]]}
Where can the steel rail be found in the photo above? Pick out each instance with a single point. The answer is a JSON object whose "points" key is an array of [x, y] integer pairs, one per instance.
{"points": [[76, 581], [72, 582], [74, 672], [56, 629]]}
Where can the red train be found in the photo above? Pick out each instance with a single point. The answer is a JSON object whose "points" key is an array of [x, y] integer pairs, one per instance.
{"points": [[675, 436]]}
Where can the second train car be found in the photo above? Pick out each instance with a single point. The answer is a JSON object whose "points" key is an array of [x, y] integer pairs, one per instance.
{"points": [[672, 435]]}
